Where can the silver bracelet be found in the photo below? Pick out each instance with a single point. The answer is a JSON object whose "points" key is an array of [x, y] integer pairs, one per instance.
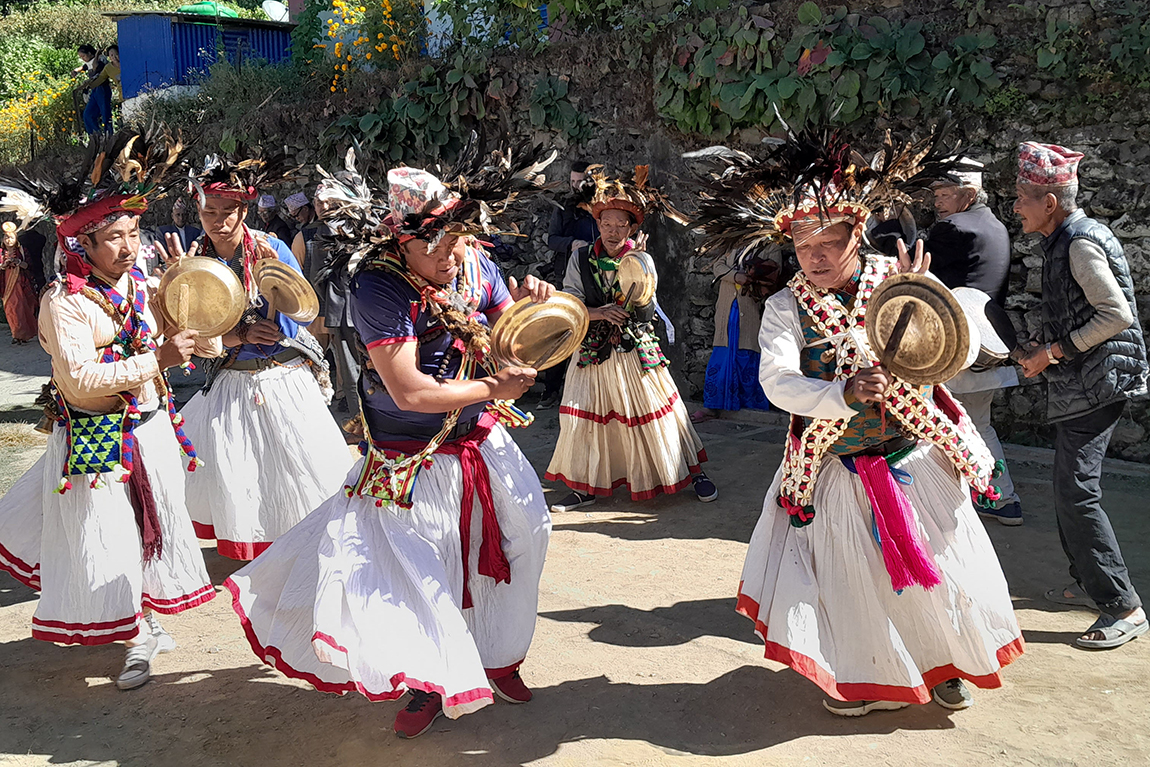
{"points": [[1050, 355]]}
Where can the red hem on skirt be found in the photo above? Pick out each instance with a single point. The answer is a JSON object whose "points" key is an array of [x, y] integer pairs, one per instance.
{"points": [[19, 569], [241, 550], [273, 657], [187, 602], [61, 632], [849, 691], [588, 415], [646, 495]]}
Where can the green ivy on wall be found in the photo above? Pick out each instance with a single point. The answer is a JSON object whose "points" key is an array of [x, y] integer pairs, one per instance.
{"points": [[719, 78]]}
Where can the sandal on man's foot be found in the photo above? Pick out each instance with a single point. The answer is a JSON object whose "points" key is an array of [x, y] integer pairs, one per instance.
{"points": [[704, 415], [1115, 633], [1072, 595], [861, 707], [573, 501], [138, 664]]}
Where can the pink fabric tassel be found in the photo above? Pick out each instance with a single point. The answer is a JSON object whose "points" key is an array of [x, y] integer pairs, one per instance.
{"points": [[908, 559]]}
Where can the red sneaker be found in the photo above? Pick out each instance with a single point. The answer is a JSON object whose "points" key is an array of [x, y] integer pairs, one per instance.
{"points": [[511, 688], [422, 710]]}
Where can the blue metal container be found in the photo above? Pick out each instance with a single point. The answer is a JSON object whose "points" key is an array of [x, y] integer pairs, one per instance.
{"points": [[159, 49]]}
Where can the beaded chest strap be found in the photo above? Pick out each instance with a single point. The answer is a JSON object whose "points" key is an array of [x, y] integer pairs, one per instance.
{"points": [[939, 419]]}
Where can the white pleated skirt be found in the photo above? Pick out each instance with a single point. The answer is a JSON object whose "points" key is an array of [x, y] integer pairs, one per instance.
{"points": [[272, 453], [82, 550], [369, 599], [822, 601], [620, 426]]}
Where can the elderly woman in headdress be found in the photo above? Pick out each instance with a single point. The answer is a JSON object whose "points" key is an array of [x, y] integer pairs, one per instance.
{"points": [[272, 450], [869, 571], [98, 524], [622, 421], [423, 574], [19, 294]]}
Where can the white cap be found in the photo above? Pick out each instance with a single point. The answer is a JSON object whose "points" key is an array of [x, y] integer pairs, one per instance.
{"points": [[967, 178], [267, 201]]}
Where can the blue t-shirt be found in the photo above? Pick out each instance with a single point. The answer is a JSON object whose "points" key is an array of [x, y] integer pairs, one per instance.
{"points": [[385, 309], [288, 326]]}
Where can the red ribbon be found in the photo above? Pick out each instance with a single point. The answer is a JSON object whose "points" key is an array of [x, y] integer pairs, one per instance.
{"points": [[476, 481]]}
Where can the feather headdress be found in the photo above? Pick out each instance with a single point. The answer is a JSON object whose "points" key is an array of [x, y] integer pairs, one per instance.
{"points": [[117, 177], [240, 174], [601, 192], [813, 174], [474, 194]]}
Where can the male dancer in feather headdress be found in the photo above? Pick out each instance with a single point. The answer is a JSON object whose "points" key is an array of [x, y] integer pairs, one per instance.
{"points": [[272, 449], [98, 524], [423, 575], [622, 421], [868, 572]]}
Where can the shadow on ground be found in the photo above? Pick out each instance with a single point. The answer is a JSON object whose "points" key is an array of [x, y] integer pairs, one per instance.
{"points": [[736, 713]]}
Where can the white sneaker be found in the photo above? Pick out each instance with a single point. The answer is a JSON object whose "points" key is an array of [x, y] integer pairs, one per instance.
{"points": [[138, 665], [164, 640]]}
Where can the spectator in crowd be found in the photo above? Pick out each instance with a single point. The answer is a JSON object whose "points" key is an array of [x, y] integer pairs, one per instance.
{"points": [[32, 242], [300, 209], [97, 115], [185, 231], [1094, 357], [732, 381], [571, 228], [970, 248], [270, 220]]}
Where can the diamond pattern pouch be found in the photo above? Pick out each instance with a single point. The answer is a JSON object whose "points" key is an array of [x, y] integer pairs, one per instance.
{"points": [[96, 443]]}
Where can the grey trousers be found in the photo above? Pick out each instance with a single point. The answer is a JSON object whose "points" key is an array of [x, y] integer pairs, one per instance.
{"points": [[977, 404], [1087, 537], [342, 346]]}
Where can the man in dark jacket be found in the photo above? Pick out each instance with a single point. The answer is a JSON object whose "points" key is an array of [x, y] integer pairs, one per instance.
{"points": [[969, 247], [1094, 357], [571, 228], [180, 226], [270, 221]]}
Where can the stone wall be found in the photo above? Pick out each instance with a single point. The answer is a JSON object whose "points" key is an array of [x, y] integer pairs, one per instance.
{"points": [[1113, 130]]}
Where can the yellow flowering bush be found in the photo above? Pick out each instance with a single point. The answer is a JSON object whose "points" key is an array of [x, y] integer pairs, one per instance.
{"points": [[385, 30], [42, 112]]}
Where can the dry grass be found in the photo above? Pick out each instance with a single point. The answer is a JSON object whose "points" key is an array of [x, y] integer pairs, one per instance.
{"points": [[21, 435]]}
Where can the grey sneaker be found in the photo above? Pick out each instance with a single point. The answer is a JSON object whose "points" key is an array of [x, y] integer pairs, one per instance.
{"points": [[164, 640], [952, 694], [861, 707], [138, 664]]}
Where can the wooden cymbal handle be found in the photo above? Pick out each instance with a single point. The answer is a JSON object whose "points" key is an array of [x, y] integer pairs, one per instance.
{"points": [[183, 301], [898, 332], [272, 299]]}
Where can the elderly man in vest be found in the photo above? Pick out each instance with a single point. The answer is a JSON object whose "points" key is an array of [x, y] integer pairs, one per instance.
{"points": [[970, 248], [1095, 359]]}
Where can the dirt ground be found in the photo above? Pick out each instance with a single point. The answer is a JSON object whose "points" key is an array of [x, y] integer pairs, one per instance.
{"points": [[638, 659]]}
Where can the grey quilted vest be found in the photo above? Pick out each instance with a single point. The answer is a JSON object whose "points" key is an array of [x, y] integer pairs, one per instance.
{"points": [[1109, 372]]}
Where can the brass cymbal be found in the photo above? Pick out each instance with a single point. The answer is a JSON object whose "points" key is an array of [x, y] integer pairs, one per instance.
{"points": [[201, 294], [637, 268], [286, 290], [939, 338], [540, 335]]}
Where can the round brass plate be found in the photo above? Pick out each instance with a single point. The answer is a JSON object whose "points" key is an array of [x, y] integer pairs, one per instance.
{"points": [[937, 343], [528, 331], [286, 290], [996, 334], [638, 268], [201, 294]]}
